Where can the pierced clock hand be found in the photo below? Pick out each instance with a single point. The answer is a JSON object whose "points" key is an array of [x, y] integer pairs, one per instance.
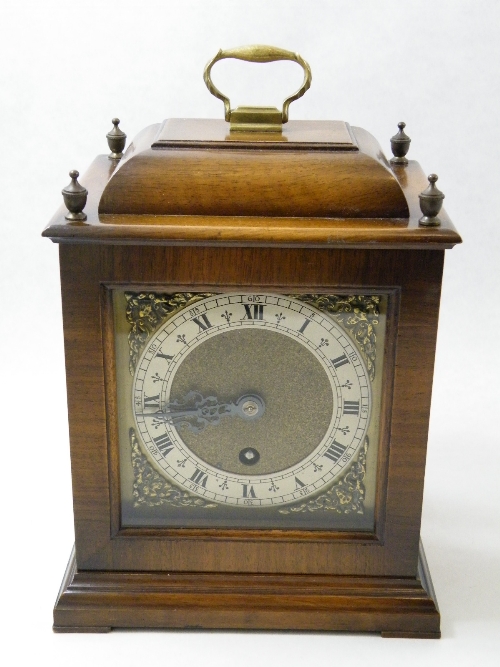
{"points": [[196, 412]]}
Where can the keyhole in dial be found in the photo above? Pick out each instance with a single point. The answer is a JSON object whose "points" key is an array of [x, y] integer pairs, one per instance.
{"points": [[249, 456]]}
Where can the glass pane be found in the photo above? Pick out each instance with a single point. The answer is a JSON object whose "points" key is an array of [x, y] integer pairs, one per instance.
{"points": [[246, 410]]}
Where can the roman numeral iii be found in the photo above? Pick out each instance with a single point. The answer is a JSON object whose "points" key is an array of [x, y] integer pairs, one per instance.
{"points": [[351, 407], [335, 451]]}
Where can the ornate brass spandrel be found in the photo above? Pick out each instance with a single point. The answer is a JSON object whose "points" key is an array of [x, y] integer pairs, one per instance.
{"points": [[346, 496], [146, 311], [358, 314], [152, 489]]}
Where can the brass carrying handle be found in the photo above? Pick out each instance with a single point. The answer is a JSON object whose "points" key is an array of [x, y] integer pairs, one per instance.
{"points": [[258, 53]]}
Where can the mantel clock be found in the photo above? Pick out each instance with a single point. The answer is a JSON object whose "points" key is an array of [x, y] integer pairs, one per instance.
{"points": [[250, 313]]}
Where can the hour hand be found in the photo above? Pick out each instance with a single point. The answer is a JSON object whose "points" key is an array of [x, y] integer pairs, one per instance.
{"points": [[196, 411]]}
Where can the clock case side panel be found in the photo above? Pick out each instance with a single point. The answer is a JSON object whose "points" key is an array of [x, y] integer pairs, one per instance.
{"points": [[88, 409], [85, 269]]}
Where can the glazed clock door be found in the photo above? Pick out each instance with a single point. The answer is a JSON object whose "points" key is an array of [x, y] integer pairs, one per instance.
{"points": [[249, 409]]}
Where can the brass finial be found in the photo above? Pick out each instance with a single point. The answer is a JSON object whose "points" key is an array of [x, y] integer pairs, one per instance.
{"points": [[400, 145], [116, 140], [431, 200], [75, 198]]}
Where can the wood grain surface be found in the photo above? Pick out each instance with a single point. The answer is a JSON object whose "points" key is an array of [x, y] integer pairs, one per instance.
{"points": [[254, 181], [85, 268], [101, 601], [252, 230], [314, 580]]}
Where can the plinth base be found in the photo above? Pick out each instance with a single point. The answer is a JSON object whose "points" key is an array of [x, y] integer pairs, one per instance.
{"points": [[98, 601]]}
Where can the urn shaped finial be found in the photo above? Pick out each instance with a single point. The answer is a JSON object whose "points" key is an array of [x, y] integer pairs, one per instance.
{"points": [[431, 200], [75, 198], [116, 140], [400, 145]]}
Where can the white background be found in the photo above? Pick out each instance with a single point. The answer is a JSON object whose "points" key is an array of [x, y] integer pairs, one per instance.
{"points": [[66, 69]]}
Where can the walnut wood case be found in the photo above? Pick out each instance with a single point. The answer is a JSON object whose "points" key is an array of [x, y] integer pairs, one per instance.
{"points": [[294, 240]]}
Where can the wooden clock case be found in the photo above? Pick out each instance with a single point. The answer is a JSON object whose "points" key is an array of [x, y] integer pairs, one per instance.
{"points": [[190, 208]]}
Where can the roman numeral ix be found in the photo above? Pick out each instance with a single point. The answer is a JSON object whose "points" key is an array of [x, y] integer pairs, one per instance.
{"points": [[152, 401]]}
